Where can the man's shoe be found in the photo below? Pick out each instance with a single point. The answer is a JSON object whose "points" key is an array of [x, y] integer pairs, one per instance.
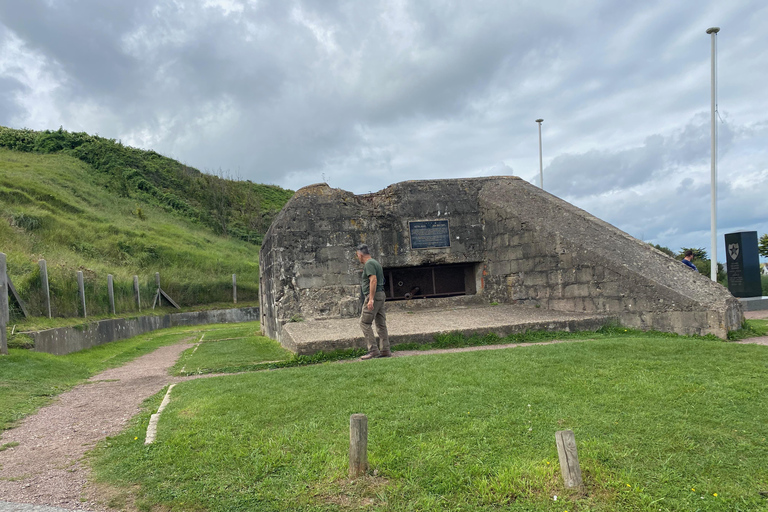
{"points": [[369, 355], [385, 353]]}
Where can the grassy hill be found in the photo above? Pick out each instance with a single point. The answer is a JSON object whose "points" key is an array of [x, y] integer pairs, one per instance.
{"points": [[86, 203]]}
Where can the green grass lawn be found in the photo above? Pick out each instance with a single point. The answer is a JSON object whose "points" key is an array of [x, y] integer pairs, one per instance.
{"points": [[661, 422], [231, 349]]}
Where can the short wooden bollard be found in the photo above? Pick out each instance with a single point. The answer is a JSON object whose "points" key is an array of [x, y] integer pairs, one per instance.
{"points": [[111, 290], [46, 287], [234, 288], [358, 445], [81, 291], [136, 291], [5, 314], [569, 458]]}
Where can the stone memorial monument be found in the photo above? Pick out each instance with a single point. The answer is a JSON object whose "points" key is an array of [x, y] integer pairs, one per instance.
{"points": [[475, 241], [743, 263]]}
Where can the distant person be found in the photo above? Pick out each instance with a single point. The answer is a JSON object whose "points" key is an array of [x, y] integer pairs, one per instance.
{"points": [[687, 260], [373, 305]]}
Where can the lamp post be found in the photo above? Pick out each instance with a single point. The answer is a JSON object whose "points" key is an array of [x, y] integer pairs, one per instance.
{"points": [[541, 165], [713, 210]]}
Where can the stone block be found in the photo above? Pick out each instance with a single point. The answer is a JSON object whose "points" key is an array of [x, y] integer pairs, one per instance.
{"points": [[303, 282], [546, 263], [611, 289], [576, 290], [562, 277], [534, 278], [514, 252], [584, 274]]}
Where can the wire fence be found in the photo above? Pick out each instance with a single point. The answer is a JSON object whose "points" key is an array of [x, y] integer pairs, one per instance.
{"points": [[66, 299]]}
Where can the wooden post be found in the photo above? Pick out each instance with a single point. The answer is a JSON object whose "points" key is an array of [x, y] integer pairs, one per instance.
{"points": [[358, 445], [569, 459], [111, 290], [46, 287], [159, 298], [234, 288], [136, 291], [81, 291], [5, 315]]}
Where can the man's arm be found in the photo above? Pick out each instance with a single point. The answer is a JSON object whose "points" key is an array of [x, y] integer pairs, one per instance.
{"points": [[372, 281]]}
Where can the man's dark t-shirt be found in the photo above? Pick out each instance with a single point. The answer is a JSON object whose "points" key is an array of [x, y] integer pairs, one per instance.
{"points": [[691, 265], [372, 267]]}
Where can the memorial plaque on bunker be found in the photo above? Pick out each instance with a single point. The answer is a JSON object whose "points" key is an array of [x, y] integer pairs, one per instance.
{"points": [[429, 234], [743, 264]]}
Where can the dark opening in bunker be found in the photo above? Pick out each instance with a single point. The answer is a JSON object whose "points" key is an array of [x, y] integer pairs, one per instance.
{"points": [[430, 281]]}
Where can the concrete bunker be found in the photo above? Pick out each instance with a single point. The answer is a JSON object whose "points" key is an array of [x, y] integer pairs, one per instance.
{"points": [[474, 242]]}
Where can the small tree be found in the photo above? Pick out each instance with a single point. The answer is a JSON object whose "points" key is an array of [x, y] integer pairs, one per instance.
{"points": [[665, 250], [762, 246], [698, 253]]}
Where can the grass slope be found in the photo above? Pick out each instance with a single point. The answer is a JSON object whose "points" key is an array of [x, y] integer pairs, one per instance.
{"points": [[662, 423], [57, 208], [240, 209]]}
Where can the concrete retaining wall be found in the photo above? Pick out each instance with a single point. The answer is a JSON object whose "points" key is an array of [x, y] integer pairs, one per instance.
{"points": [[65, 340]]}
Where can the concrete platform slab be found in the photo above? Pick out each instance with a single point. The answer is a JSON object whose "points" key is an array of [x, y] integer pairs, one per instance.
{"points": [[754, 303], [309, 337]]}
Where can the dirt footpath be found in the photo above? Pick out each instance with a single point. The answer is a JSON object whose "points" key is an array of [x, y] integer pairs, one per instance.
{"points": [[46, 467]]}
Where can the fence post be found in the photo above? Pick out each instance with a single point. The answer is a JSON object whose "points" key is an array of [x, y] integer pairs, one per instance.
{"points": [[358, 445], [5, 315], [111, 290], [81, 291], [46, 287], [157, 282], [234, 287], [569, 458], [136, 291]]}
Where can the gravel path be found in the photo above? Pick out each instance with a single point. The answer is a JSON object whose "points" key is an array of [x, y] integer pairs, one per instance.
{"points": [[46, 467]]}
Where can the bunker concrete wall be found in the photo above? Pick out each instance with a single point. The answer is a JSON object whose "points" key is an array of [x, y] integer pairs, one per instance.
{"points": [[530, 247], [64, 340]]}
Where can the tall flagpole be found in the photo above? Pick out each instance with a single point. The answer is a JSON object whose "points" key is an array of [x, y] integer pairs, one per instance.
{"points": [[541, 164], [713, 267]]}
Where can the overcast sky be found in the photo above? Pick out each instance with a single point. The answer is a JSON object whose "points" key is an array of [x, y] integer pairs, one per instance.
{"points": [[363, 94]]}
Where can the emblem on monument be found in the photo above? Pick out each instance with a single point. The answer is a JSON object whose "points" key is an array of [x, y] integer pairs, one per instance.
{"points": [[733, 250]]}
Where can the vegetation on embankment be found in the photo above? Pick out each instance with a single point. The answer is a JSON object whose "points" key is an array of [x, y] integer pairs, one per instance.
{"points": [[85, 203], [238, 209]]}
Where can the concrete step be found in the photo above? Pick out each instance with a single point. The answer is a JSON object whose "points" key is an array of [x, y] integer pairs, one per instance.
{"points": [[309, 337], [754, 303]]}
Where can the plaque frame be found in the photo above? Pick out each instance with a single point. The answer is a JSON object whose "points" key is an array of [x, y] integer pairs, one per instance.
{"points": [[445, 242]]}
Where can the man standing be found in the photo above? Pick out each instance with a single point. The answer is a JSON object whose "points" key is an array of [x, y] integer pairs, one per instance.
{"points": [[687, 260], [373, 305]]}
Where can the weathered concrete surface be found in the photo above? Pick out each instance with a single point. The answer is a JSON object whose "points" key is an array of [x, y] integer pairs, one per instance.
{"points": [[65, 340], [309, 337], [528, 248]]}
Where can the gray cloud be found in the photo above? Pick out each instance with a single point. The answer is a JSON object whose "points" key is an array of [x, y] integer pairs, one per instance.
{"points": [[371, 93]]}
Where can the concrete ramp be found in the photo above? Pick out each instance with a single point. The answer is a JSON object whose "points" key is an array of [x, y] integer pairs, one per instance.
{"points": [[309, 337]]}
